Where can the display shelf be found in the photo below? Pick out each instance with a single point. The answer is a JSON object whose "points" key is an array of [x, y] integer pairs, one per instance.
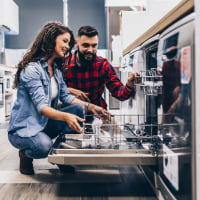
{"points": [[8, 68]]}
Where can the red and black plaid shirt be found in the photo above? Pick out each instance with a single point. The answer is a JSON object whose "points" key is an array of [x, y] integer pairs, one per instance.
{"points": [[92, 80]]}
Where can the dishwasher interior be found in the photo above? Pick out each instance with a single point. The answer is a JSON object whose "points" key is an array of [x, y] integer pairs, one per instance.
{"points": [[119, 139], [121, 132]]}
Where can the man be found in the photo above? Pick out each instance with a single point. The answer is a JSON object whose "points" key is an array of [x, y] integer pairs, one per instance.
{"points": [[87, 74]]}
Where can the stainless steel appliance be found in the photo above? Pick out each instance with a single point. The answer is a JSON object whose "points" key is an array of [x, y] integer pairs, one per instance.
{"points": [[134, 62], [2, 93], [8, 105], [159, 138], [176, 60]]}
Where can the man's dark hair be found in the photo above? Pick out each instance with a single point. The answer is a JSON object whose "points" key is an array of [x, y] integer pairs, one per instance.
{"points": [[89, 31]]}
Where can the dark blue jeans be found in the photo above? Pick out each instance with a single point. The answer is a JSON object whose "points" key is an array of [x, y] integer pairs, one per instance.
{"points": [[39, 145]]}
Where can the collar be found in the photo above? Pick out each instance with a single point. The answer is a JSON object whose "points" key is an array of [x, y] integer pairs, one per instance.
{"points": [[75, 60], [44, 64], [72, 62]]}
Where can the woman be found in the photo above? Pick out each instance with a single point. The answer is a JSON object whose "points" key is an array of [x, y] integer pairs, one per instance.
{"points": [[35, 119]]}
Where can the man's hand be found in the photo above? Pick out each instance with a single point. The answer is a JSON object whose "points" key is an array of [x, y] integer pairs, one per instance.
{"points": [[79, 94], [132, 79], [97, 110]]}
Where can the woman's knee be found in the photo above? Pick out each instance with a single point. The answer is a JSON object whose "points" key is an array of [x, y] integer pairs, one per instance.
{"points": [[42, 146], [44, 149]]}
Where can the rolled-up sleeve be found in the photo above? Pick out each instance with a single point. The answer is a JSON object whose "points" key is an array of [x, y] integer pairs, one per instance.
{"points": [[37, 88]]}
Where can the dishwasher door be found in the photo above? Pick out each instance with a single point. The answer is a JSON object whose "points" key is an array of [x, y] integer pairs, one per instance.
{"points": [[102, 157]]}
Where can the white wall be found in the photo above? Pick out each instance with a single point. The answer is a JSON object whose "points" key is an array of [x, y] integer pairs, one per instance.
{"points": [[9, 15], [121, 3], [116, 46], [134, 24], [13, 56]]}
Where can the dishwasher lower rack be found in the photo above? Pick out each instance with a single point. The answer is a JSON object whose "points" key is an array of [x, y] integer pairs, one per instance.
{"points": [[123, 140]]}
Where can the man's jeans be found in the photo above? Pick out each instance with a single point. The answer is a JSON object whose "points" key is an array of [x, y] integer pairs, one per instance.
{"points": [[39, 145]]}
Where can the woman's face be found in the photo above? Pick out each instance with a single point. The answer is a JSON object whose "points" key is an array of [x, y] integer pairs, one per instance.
{"points": [[62, 44]]}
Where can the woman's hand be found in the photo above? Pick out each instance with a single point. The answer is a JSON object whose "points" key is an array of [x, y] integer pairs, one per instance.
{"points": [[72, 121]]}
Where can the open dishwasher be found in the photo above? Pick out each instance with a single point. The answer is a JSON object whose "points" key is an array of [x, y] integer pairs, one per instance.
{"points": [[158, 142], [124, 139], [121, 140], [160, 136]]}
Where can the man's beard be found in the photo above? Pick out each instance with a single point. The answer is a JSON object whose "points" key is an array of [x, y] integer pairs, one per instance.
{"points": [[84, 62]]}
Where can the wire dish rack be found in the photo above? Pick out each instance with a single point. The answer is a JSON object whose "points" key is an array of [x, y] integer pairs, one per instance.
{"points": [[150, 81], [121, 140], [125, 132]]}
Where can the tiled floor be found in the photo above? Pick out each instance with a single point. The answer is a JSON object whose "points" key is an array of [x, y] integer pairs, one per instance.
{"points": [[88, 182]]}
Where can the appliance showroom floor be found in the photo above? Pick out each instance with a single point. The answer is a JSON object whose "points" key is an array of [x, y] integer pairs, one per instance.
{"points": [[87, 183]]}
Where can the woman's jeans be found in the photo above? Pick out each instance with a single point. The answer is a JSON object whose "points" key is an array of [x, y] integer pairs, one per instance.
{"points": [[39, 145]]}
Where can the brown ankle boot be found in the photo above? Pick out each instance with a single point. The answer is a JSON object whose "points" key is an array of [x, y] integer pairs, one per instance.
{"points": [[26, 164]]}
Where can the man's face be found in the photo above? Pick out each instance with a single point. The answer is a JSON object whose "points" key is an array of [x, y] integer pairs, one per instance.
{"points": [[87, 49]]}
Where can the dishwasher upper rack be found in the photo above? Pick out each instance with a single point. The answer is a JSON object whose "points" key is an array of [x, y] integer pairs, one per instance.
{"points": [[121, 132], [150, 81]]}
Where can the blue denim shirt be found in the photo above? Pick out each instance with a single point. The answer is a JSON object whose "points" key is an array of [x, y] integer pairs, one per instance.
{"points": [[33, 93]]}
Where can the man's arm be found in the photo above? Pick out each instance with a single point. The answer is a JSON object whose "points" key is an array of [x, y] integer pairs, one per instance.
{"points": [[115, 86]]}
